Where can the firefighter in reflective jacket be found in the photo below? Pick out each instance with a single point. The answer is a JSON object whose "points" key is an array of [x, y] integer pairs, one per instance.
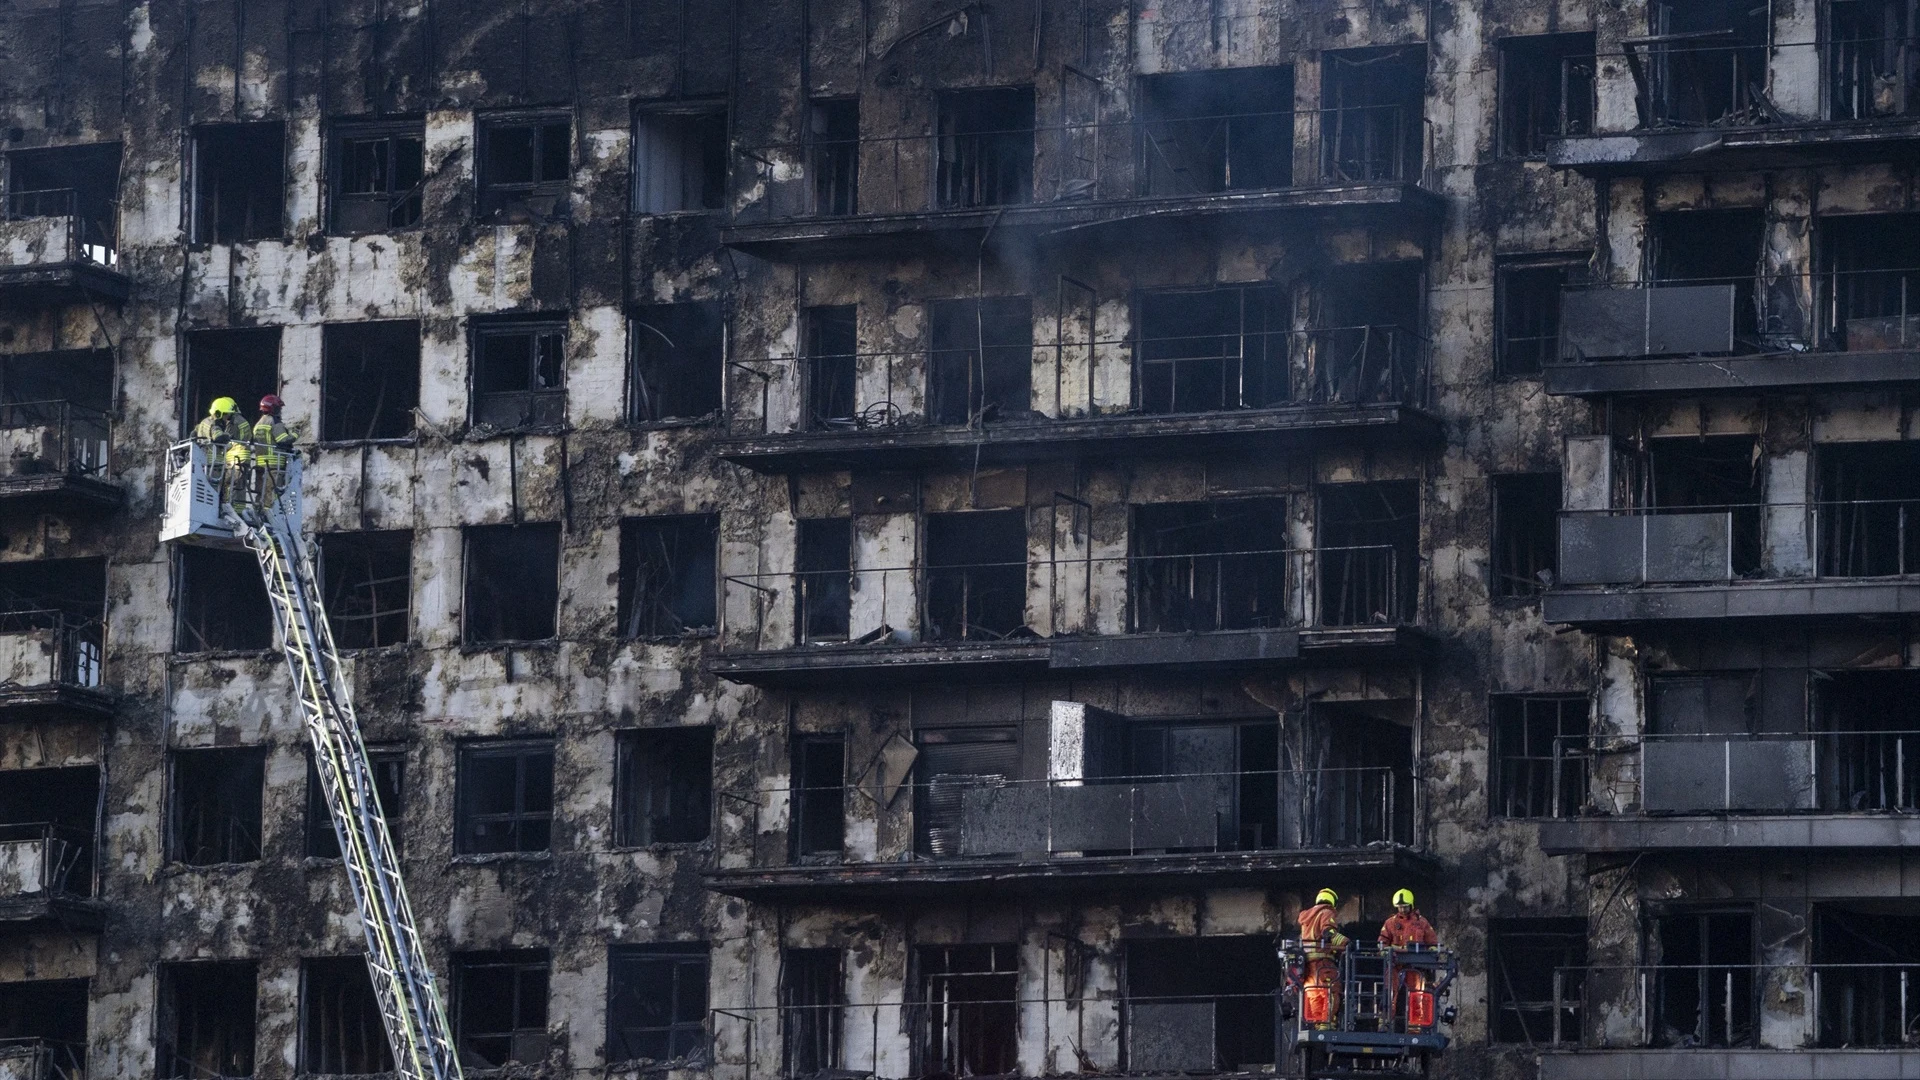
{"points": [[1320, 936], [271, 438], [220, 426], [1406, 928]]}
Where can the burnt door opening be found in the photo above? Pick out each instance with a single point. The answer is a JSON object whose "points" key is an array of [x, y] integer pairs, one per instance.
{"points": [[819, 797], [1868, 296], [812, 997], [1720, 474], [1867, 955], [980, 364], [60, 808], [967, 996], [974, 585], [1231, 767], [1710, 69], [206, 1021], [952, 760], [341, 1032], [1711, 247], [1358, 786], [1366, 344], [833, 155], [831, 366], [823, 573], [1704, 986], [985, 148], [1211, 131], [1872, 70], [1868, 509], [51, 1013], [1369, 548], [1546, 91], [1867, 741], [1202, 1004], [1372, 120], [1213, 350], [1526, 508], [1208, 566]]}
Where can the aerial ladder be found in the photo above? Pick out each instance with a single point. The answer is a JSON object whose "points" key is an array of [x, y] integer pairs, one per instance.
{"points": [[216, 502]]}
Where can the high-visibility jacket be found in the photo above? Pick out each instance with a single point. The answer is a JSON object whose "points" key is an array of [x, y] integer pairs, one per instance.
{"points": [[271, 440], [1400, 931], [218, 430], [1316, 923]]}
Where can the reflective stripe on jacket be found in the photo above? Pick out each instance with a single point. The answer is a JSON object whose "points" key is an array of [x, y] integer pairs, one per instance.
{"points": [[1319, 922], [269, 437], [1400, 931]]}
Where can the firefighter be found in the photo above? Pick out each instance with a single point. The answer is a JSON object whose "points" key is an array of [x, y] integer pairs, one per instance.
{"points": [[1320, 936], [221, 425], [272, 440], [1406, 928]]}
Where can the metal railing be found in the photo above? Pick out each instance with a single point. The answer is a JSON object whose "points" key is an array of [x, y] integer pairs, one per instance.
{"points": [[42, 1059], [1708, 80], [42, 437], [1366, 585], [45, 859], [1822, 1005], [1162, 156], [43, 647], [1831, 540], [1819, 772], [87, 226], [1184, 374]]}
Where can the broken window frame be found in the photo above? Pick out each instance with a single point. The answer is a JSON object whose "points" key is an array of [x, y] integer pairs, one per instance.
{"points": [[399, 204], [494, 197], [680, 1020], [655, 602], [1560, 946], [813, 999], [1526, 298], [819, 801], [949, 761], [1530, 119], [66, 598], [1526, 556], [538, 397], [1538, 752], [1253, 353], [1848, 65], [261, 176], [823, 580], [60, 806], [988, 342], [389, 766], [218, 788], [529, 983], [386, 354], [1653, 60], [507, 626], [833, 155], [661, 369], [831, 367], [184, 1013], [528, 822], [1856, 282], [1367, 141], [1351, 586], [333, 1003], [948, 1018], [663, 786], [1217, 135], [1864, 963], [979, 164], [1227, 580], [663, 187], [966, 594], [94, 208], [360, 608], [1722, 992]]}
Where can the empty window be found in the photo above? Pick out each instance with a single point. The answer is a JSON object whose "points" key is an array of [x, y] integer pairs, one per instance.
{"points": [[389, 775], [833, 155], [1200, 1004], [52, 621], [1527, 301], [216, 805], [1366, 343], [680, 161], [1707, 64], [823, 579], [1369, 539], [525, 164], [378, 173], [1210, 131], [1535, 974], [981, 360], [657, 1002], [668, 575], [52, 1013], [505, 797], [1869, 70], [239, 174], [1209, 566], [812, 997], [986, 147], [975, 584], [1526, 508], [1867, 508], [241, 364], [341, 1032], [513, 583], [221, 602], [56, 413], [831, 360], [60, 806], [367, 579], [1546, 91], [1539, 755], [1204, 351], [369, 380], [80, 182], [1867, 752], [679, 352], [1373, 105], [664, 786], [1711, 247], [519, 374], [968, 993], [819, 795], [500, 1007], [1704, 992], [1866, 960], [1868, 288], [1715, 473], [206, 1019]]}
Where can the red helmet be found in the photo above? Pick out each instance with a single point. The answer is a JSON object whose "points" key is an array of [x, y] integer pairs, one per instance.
{"points": [[271, 403]]}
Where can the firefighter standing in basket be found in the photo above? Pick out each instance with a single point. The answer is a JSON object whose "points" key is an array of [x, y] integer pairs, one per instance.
{"points": [[1406, 928], [272, 443], [1323, 942]]}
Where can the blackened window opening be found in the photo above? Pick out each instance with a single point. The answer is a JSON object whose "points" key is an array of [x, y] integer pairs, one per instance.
{"points": [[1527, 301], [974, 586], [1868, 509], [1535, 977], [1711, 70], [341, 1033], [1539, 755], [680, 161], [823, 579], [369, 380], [389, 786], [679, 353], [1366, 343], [1212, 131], [1371, 121], [1209, 566], [513, 583], [832, 367], [62, 602], [663, 790], [1703, 985], [81, 182], [1173, 982], [221, 603], [1369, 545], [985, 147], [657, 1002], [950, 762], [1356, 784], [1721, 474], [1715, 247], [812, 1000], [1867, 741], [981, 359], [241, 364], [239, 178], [668, 575], [367, 579], [500, 1007], [1231, 767], [60, 807], [1546, 91], [525, 165], [833, 155], [379, 176], [52, 1013], [1213, 350], [519, 377], [1867, 961], [1868, 293], [206, 1020], [819, 796], [1526, 508], [216, 806], [505, 798], [967, 995], [1870, 68], [68, 396]]}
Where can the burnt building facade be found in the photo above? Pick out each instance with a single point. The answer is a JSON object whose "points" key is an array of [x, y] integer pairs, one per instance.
{"points": [[911, 538]]}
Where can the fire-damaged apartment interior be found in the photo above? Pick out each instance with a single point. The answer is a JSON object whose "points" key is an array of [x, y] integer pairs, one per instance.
{"points": [[911, 538]]}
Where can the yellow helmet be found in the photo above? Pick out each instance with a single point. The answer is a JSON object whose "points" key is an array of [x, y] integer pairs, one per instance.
{"points": [[1403, 896], [222, 406], [1328, 896]]}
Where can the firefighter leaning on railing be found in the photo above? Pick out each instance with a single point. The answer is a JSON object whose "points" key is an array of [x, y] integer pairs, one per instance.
{"points": [[1321, 939], [1405, 929]]}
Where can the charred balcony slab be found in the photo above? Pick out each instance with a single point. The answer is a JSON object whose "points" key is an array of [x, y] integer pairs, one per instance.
{"points": [[52, 253], [1631, 834], [1699, 1063], [46, 878], [1734, 374], [1787, 145], [50, 668], [1600, 608]]}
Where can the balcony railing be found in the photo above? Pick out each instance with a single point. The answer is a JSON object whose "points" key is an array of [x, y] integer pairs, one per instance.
{"points": [[42, 1059], [55, 437], [1063, 596], [44, 648], [1062, 162], [1841, 540], [1826, 772], [74, 229], [1722, 1006], [1707, 80], [45, 861]]}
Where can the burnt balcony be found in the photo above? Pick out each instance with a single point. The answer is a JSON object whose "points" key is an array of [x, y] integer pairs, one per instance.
{"points": [[50, 667], [1233, 610], [42, 1059], [57, 455], [46, 876], [1162, 177], [1193, 393], [58, 246]]}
